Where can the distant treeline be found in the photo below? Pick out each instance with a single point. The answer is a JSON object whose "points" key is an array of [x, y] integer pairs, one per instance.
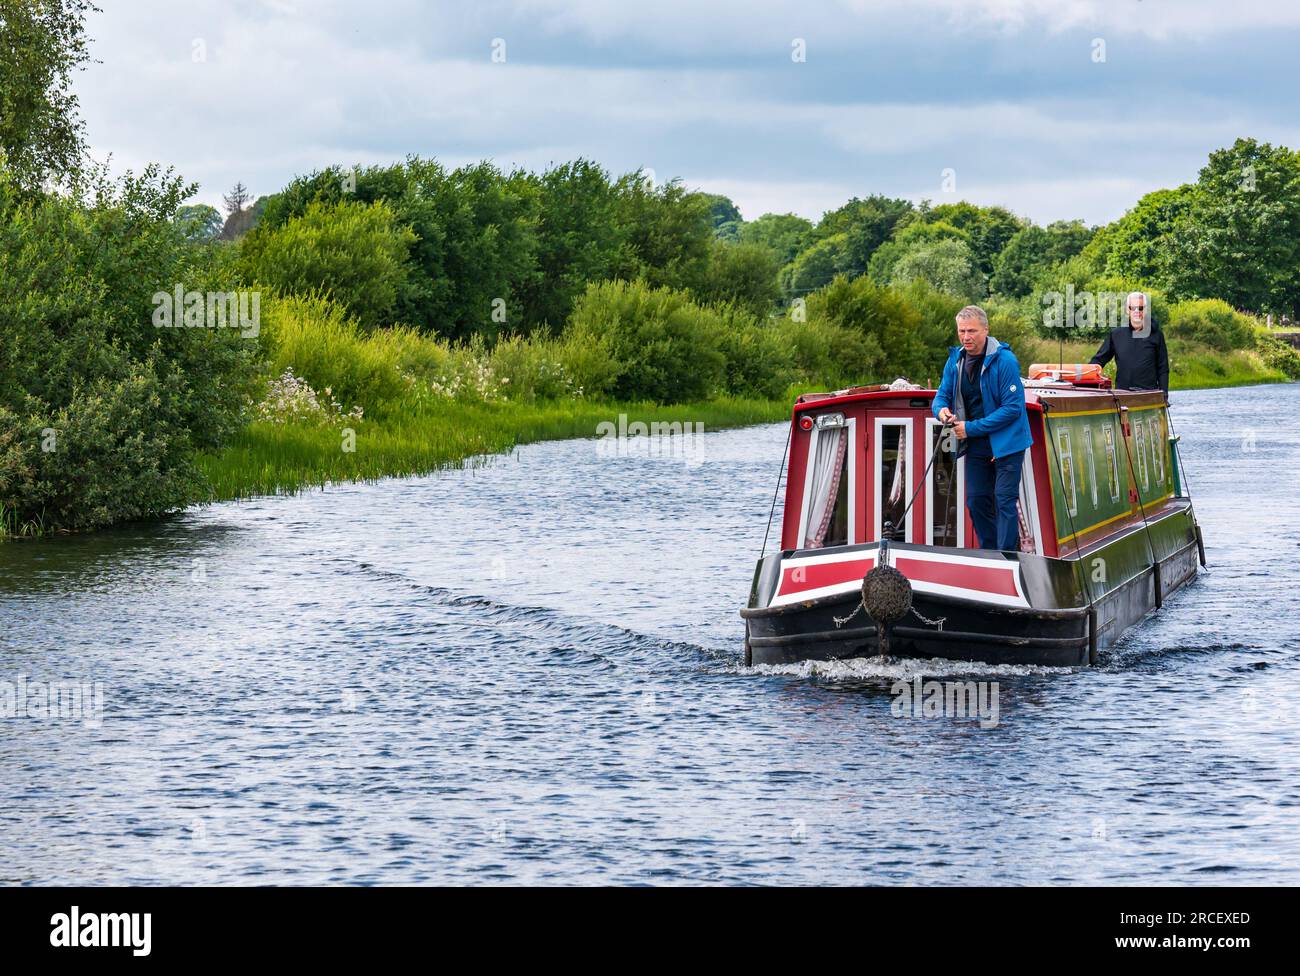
{"points": [[478, 251], [471, 285]]}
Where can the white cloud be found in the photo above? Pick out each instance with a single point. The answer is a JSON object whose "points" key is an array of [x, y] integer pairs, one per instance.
{"points": [[288, 87], [726, 24]]}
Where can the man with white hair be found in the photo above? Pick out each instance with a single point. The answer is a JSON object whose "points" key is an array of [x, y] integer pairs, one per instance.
{"points": [[1138, 348], [982, 396]]}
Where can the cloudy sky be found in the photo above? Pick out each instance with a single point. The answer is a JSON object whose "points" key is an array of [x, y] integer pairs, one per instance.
{"points": [[1054, 108]]}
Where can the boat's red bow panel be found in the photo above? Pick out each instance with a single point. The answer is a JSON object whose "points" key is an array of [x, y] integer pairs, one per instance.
{"points": [[807, 576]]}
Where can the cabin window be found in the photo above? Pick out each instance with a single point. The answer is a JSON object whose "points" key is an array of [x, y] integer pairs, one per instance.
{"points": [[1030, 530], [1112, 462], [1158, 448], [828, 489], [944, 499], [1065, 455], [1090, 465], [1140, 436], [893, 478]]}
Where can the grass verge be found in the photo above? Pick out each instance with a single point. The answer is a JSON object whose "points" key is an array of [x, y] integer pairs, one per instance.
{"points": [[270, 458]]}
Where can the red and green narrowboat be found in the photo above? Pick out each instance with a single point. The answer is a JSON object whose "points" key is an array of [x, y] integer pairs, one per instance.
{"points": [[1107, 530]]}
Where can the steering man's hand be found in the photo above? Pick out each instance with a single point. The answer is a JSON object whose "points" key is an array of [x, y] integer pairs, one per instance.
{"points": [[959, 428]]}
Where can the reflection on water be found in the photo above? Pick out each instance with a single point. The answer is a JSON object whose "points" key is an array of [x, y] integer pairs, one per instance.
{"points": [[530, 672]]}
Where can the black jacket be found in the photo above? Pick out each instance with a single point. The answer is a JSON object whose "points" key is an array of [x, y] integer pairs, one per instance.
{"points": [[1141, 363]]}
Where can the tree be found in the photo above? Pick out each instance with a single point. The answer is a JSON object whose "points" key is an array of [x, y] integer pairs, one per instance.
{"points": [[352, 251], [666, 232], [988, 229], [816, 266], [947, 265], [578, 240], [239, 216], [1031, 251], [473, 259], [200, 222], [1139, 244], [724, 216], [43, 44], [907, 238], [866, 225], [1239, 237], [785, 235], [236, 200], [744, 275]]}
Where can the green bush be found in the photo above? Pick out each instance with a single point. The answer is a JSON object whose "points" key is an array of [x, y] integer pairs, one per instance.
{"points": [[760, 362], [938, 312], [531, 368], [98, 458], [1212, 323], [667, 348], [829, 355], [1009, 325], [880, 314], [1278, 354], [420, 356], [101, 411], [589, 363], [322, 344], [352, 252], [741, 274]]}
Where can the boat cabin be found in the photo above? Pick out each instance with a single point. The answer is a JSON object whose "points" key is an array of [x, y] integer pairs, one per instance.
{"points": [[857, 458]]}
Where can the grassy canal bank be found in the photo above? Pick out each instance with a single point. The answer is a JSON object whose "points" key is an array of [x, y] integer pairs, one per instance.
{"points": [[270, 458]]}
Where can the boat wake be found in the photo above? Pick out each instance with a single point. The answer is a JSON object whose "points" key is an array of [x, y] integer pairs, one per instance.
{"points": [[868, 668], [610, 641], [1133, 652], [604, 640]]}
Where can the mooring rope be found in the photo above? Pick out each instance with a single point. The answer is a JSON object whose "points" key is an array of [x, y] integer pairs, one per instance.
{"points": [[938, 446], [1169, 417], [1151, 546], [1060, 477], [775, 491], [1187, 489]]}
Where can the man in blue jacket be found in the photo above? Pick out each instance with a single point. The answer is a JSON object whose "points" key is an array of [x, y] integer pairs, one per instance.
{"points": [[983, 396]]}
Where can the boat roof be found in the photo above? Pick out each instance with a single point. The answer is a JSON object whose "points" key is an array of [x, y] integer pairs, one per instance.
{"points": [[1041, 396]]}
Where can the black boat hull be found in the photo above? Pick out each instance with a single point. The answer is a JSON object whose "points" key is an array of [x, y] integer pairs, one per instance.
{"points": [[969, 632], [1078, 606]]}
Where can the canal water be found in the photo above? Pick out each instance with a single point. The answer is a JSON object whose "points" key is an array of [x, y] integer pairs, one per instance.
{"points": [[529, 671]]}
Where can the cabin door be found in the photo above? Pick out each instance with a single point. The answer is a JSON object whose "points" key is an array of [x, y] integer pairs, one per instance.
{"points": [[899, 448], [901, 445], [891, 462]]}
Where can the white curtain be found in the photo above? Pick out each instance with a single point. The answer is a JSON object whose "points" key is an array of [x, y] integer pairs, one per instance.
{"points": [[827, 468], [900, 469]]}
